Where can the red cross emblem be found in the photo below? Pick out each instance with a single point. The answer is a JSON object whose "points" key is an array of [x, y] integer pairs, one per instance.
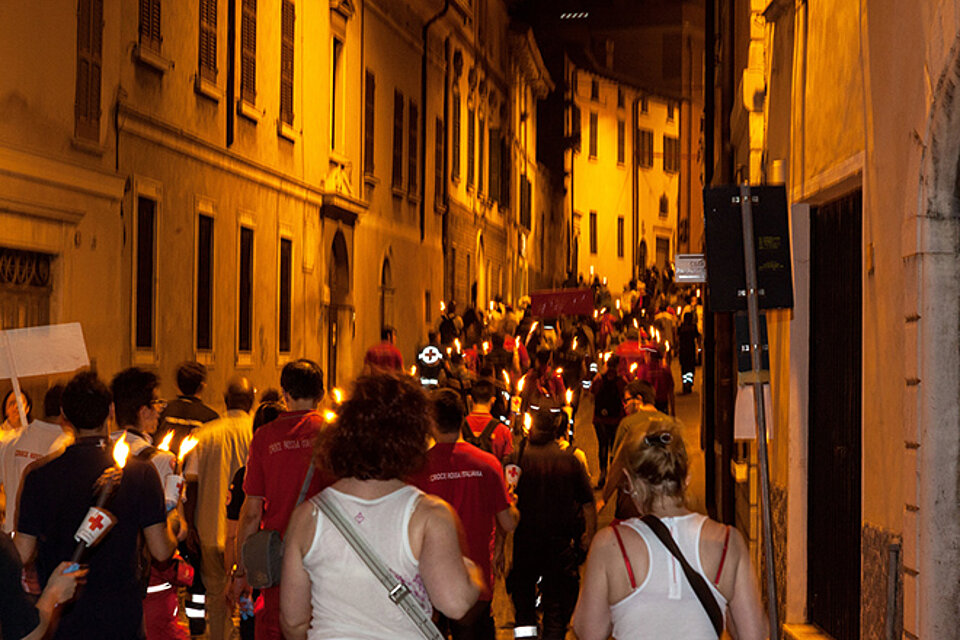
{"points": [[96, 522]]}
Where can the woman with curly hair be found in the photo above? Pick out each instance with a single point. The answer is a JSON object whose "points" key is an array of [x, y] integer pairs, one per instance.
{"points": [[378, 440], [633, 586]]}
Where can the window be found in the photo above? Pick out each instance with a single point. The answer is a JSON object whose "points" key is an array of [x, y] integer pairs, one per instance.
{"points": [[621, 141], [593, 134], [150, 25], [594, 89], [208, 40], [287, 22], [664, 206], [285, 312], [438, 155], [336, 82], [620, 98], [480, 163], [245, 292], [369, 109], [669, 111], [412, 145], [671, 154], [386, 296], [525, 192], [455, 138], [89, 63], [620, 236], [146, 271], [644, 105], [427, 308], [505, 173], [204, 283], [494, 167], [471, 145], [645, 148], [593, 232], [248, 51], [397, 140]]}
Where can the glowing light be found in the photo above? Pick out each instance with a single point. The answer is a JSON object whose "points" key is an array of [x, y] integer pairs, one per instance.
{"points": [[679, 310], [604, 281], [591, 270], [492, 305], [456, 343], [120, 452], [337, 394], [568, 396], [595, 314], [486, 346], [186, 446], [606, 356], [698, 292], [635, 325], [618, 305], [520, 384], [413, 370], [506, 378], [667, 343], [559, 371], [443, 307], [527, 423], [165, 443], [574, 345], [532, 329], [633, 368], [449, 351], [603, 311], [329, 416]]}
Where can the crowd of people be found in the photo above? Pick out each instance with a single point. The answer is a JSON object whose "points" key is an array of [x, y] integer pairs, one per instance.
{"points": [[393, 500]]}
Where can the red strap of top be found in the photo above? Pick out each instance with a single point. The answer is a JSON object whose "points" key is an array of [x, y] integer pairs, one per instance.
{"points": [[626, 560], [723, 556]]}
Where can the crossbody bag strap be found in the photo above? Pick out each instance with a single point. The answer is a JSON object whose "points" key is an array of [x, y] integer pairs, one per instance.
{"points": [[696, 581], [398, 591], [306, 484]]}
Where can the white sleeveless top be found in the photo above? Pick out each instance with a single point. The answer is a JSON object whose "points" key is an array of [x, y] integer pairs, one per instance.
{"points": [[347, 599], [664, 605]]}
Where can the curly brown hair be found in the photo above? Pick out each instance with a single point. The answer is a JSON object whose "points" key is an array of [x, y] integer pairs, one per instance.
{"points": [[381, 431]]}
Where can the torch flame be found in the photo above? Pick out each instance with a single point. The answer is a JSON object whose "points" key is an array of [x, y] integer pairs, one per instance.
{"points": [[635, 325], [456, 343], [413, 370], [568, 396], [606, 355], [506, 378], [532, 329], [337, 394], [574, 345], [186, 446], [165, 443], [329, 416], [559, 371], [595, 313], [120, 452], [603, 311], [633, 367], [449, 351], [618, 305], [443, 307], [667, 344], [520, 384], [486, 346], [527, 423]]}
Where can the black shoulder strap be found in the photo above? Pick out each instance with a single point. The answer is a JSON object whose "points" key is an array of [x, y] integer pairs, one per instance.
{"points": [[487, 433], [695, 579], [146, 454], [467, 433]]}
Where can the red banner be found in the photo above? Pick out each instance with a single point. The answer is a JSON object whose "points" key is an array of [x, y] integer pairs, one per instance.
{"points": [[556, 302]]}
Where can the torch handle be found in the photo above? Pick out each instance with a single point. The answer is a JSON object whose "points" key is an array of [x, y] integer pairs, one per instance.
{"points": [[78, 552]]}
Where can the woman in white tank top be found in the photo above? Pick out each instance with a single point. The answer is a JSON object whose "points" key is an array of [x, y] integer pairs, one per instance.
{"points": [[326, 591], [633, 587]]}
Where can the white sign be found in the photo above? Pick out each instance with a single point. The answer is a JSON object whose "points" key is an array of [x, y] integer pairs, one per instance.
{"points": [[691, 268], [37, 351]]}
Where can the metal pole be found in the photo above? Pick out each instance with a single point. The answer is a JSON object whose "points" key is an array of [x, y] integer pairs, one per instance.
{"points": [[753, 314]]}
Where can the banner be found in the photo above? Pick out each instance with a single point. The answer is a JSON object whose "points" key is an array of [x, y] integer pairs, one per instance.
{"points": [[557, 302]]}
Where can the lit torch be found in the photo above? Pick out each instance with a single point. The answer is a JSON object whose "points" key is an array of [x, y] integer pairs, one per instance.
{"points": [[186, 446], [506, 378], [98, 520], [456, 343], [413, 370], [165, 443], [618, 305], [527, 423], [633, 368], [329, 416], [443, 307], [574, 345], [337, 395], [533, 327], [486, 347]]}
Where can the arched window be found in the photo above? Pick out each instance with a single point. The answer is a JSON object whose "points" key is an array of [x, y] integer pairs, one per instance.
{"points": [[386, 295]]}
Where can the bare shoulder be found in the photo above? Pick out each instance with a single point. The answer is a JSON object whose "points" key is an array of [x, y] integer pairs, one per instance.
{"points": [[431, 508]]}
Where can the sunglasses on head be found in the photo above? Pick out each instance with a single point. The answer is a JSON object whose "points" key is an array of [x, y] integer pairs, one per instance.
{"points": [[659, 439]]}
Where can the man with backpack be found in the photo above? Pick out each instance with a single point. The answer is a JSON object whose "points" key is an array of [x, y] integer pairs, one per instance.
{"points": [[483, 430], [450, 325]]}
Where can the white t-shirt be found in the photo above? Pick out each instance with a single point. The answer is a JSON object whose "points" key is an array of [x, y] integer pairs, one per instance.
{"points": [[18, 450]]}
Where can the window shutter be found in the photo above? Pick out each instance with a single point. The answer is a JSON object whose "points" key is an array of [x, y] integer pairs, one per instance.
{"points": [[208, 40], [369, 110], [89, 60], [397, 140], [287, 22], [150, 25], [248, 51], [438, 163], [412, 145], [471, 145], [481, 163], [505, 170], [455, 137], [494, 168]]}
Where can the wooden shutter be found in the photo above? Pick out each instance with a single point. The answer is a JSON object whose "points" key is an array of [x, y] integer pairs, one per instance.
{"points": [[248, 51], [413, 129], [438, 162], [150, 25], [455, 139], [287, 21], [494, 169], [471, 145], [481, 163], [89, 62], [208, 40], [397, 140], [505, 170], [369, 111]]}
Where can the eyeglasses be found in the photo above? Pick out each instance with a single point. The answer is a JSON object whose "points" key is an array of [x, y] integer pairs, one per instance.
{"points": [[659, 439], [158, 404]]}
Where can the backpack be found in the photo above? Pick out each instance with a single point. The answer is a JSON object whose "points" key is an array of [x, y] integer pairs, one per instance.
{"points": [[485, 439], [608, 403], [448, 330]]}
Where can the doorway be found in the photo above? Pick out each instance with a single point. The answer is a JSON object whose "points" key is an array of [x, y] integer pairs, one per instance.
{"points": [[339, 279], [834, 447]]}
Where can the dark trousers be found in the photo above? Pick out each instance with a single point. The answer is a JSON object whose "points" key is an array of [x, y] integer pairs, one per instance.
{"points": [[557, 568], [476, 625], [605, 435]]}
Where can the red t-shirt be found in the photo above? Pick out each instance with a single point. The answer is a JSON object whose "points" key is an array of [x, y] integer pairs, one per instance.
{"points": [[280, 454], [502, 439], [472, 482], [384, 356]]}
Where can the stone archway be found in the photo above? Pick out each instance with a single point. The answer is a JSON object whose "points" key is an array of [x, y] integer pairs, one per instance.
{"points": [[338, 278]]}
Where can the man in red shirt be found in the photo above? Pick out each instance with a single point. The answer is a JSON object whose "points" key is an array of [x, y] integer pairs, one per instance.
{"points": [[472, 482], [500, 439], [281, 453], [384, 357]]}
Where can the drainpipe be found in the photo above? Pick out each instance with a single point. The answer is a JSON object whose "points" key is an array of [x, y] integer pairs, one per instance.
{"points": [[423, 116], [635, 179]]}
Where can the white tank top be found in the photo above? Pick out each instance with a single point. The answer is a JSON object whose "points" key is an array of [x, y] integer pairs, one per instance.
{"points": [[347, 599], [664, 605]]}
